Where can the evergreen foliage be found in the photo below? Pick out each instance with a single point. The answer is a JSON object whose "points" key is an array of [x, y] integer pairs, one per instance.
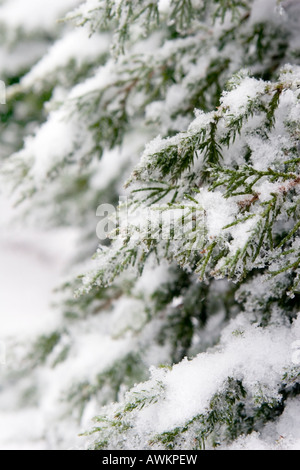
{"points": [[194, 107]]}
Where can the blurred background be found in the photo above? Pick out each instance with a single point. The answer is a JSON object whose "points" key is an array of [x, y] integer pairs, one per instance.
{"points": [[32, 259], [83, 356], [31, 263]]}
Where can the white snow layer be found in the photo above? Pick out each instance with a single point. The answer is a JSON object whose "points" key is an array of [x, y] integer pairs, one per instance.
{"points": [[32, 262], [255, 356], [13, 13]]}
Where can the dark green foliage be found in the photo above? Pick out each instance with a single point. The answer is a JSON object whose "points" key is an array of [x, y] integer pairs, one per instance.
{"points": [[44, 347]]}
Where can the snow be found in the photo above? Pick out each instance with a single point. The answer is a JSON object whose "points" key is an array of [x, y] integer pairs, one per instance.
{"points": [[284, 434], [201, 122], [63, 51], [264, 11], [238, 99], [28, 264], [241, 234], [84, 9], [258, 357], [164, 5], [22, 430], [48, 150], [14, 61], [13, 12], [32, 263], [101, 79], [152, 278], [129, 314], [218, 212]]}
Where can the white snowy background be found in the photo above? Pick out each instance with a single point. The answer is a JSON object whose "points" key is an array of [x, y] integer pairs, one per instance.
{"points": [[31, 263]]}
